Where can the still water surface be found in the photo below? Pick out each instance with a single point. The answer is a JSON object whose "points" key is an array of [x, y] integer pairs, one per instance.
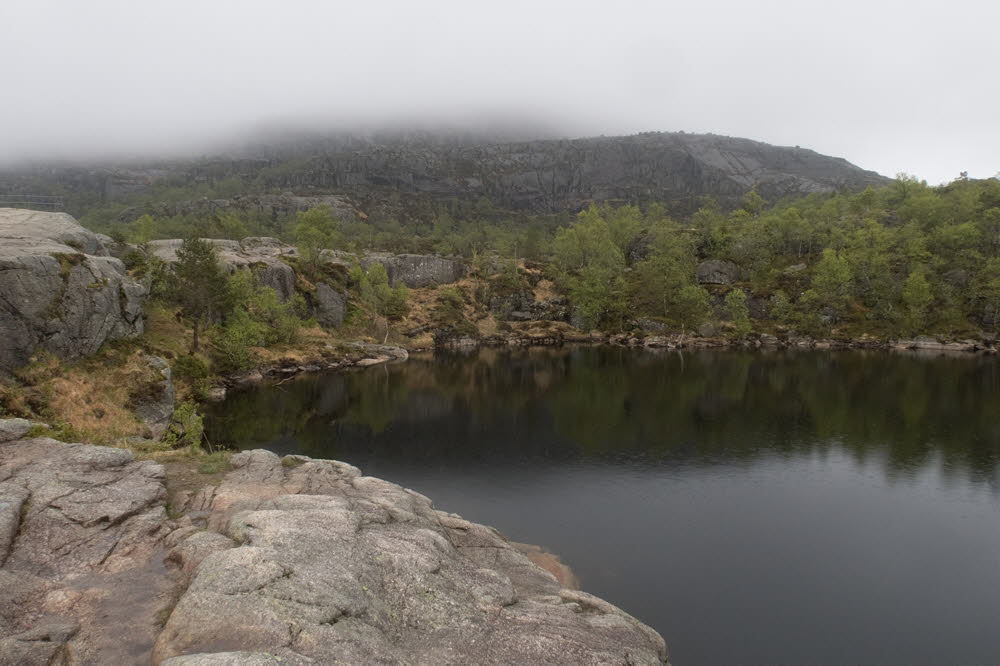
{"points": [[755, 508]]}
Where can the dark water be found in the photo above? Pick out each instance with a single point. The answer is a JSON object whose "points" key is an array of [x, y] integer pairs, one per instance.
{"points": [[755, 508]]}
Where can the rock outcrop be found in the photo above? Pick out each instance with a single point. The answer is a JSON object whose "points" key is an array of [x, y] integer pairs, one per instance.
{"points": [[288, 560], [328, 566], [262, 255], [272, 206], [60, 291], [330, 305], [717, 271], [417, 270], [154, 405], [266, 258]]}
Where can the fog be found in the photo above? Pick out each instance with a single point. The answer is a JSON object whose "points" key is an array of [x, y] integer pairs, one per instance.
{"points": [[892, 86]]}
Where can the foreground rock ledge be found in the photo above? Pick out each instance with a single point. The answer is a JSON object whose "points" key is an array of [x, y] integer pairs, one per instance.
{"points": [[288, 560]]}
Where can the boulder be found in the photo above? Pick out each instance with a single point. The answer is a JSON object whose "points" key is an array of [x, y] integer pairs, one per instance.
{"points": [[262, 255], [708, 330], [388, 352], [928, 343], [335, 567], [60, 291], [717, 271], [11, 429], [330, 305]]}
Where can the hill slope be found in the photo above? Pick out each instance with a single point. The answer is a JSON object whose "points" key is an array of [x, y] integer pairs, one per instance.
{"points": [[677, 169]]}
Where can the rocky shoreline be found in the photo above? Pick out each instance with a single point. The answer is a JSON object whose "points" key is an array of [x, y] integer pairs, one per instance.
{"points": [[680, 341], [367, 354], [285, 560]]}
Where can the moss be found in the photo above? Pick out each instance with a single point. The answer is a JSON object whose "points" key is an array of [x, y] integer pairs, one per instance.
{"points": [[66, 262], [61, 431], [290, 462]]}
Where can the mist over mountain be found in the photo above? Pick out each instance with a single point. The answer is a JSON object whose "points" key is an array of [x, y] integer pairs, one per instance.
{"points": [[509, 166]]}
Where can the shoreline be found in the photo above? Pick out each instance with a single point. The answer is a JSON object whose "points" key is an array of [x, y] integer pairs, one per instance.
{"points": [[369, 354]]}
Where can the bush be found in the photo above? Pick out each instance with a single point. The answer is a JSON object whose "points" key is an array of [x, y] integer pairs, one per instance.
{"points": [[736, 308], [235, 340], [190, 367], [186, 429]]}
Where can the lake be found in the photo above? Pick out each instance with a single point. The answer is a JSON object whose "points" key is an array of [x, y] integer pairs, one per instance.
{"points": [[758, 507]]}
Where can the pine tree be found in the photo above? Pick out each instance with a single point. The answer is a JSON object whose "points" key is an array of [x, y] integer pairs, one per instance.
{"points": [[201, 284]]}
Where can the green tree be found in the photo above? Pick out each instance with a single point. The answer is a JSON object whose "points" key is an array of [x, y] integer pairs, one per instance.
{"points": [[315, 231], [200, 286], [691, 306], [987, 290], [592, 268], [142, 229], [831, 280], [736, 307], [917, 298]]}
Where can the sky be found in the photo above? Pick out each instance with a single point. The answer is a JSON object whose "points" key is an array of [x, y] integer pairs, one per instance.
{"points": [[892, 86]]}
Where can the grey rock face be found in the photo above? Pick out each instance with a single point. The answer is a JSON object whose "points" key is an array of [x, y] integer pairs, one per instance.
{"points": [[330, 305], [417, 270], [262, 255], [59, 289], [717, 271], [80, 532], [338, 568], [157, 406]]}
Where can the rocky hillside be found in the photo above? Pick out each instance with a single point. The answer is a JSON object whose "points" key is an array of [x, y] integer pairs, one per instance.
{"points": [[65, 290], [540, 176], [287, 560]]}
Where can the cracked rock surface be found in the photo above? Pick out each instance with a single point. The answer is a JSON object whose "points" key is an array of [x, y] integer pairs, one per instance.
{"points": [[287, 560], [329, 566], [59, 289], [80, 553]]}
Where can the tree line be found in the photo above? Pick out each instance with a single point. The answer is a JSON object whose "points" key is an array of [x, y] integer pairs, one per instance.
{"points": [[904, 259]]}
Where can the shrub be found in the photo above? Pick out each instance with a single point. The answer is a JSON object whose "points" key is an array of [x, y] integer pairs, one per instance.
{"points": [[190, 367], [186, 429], [235, 340]]}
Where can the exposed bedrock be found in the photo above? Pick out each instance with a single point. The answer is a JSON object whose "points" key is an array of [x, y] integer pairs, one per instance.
{"points": [[60, 291], [80, 553], [262, 255], [288, 560]]}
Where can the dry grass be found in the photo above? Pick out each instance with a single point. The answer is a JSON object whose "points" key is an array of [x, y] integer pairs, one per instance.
{"points": [[487, 326], [93, 397], [313, 343], [165, 335], [545, 290]]}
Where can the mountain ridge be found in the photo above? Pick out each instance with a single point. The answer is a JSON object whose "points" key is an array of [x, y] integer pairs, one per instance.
{"points": [[541, 175]]}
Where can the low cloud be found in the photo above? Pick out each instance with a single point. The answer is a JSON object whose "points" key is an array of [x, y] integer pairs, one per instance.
{"points": [[891, 86]]}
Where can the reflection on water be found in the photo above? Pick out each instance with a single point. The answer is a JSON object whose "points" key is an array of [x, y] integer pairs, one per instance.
{"points": [[754, 507]]}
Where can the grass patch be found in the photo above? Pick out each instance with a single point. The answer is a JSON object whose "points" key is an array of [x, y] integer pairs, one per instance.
{"points": [[214, 463]]}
